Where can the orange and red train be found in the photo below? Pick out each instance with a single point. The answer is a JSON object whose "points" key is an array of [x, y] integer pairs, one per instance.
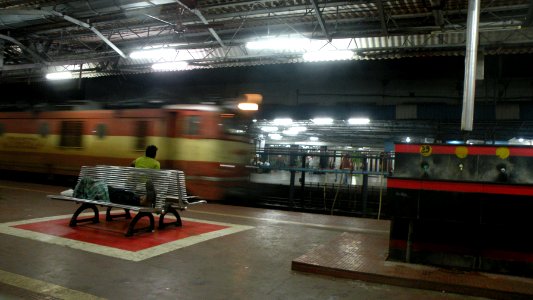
{"points": [[208, 142]]}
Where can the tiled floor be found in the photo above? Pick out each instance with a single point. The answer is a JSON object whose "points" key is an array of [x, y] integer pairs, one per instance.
{"points": [[107, 237], [363, 257], [221, 252]]}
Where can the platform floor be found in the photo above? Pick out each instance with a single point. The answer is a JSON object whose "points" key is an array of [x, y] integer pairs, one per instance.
{"points": [[222, 252], [363, 257]]}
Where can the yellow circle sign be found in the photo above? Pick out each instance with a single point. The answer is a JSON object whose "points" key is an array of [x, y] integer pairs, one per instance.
{"points": [[502, 152], [461, 151], [425, 150]]}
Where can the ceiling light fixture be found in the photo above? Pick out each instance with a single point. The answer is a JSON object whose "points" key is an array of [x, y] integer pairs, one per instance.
{"points": [[279, 44], [322, 121], [248, 106], [161, 46], [59, 76], [162, 53], [358, 121], [291, 131], [282, 121], [269, 128], [170, 66], [249, 101], [308, 144], [299, 128], [275, 136]]}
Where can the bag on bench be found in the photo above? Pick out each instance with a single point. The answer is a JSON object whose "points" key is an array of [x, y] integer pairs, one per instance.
{"points": [[90, 189], [122, 196]]}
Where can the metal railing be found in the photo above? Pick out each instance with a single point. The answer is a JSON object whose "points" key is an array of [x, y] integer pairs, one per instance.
{"points": [[322, 172]]}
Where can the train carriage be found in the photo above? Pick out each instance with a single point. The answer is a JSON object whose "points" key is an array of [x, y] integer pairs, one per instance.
{"points": [[208, 142]]}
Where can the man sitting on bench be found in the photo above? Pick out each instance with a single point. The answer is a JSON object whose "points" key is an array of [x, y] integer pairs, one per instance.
{"points": [[148, 161], [90, 189]]}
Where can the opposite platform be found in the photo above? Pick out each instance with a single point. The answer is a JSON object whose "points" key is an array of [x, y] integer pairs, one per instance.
{"points": [[363, 257]]}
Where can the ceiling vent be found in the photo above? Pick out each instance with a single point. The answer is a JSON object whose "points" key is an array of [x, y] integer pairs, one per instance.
{"points": [[406, 112], [507, 112]]}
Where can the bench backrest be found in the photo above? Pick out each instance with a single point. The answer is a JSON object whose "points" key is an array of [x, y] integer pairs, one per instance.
{"points": [[166, 182]]}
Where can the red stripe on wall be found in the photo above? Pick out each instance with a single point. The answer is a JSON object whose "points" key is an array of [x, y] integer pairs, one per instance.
{"points": [[472, 150], [404, 148], [394, 183], [452, 186], [465, 187], [521, 151]]}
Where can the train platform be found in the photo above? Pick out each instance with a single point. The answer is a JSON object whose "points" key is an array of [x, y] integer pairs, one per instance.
{"points": [[364, 257], [221, 252]]}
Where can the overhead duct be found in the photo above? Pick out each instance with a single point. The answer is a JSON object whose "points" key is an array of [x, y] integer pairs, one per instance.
{"points": [[469, 92]]}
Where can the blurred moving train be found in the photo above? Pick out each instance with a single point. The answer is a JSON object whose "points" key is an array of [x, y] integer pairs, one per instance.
{"points": [[208, 142]]}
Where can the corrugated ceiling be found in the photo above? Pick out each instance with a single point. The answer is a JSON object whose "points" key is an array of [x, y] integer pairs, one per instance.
{"points": [[41, 36]]}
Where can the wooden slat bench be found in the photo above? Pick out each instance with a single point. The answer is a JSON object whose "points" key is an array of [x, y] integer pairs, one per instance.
{"points": [[171, 195]]}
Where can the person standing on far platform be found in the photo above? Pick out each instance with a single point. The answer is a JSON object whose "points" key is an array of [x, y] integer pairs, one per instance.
{"points": [[346, 164]]}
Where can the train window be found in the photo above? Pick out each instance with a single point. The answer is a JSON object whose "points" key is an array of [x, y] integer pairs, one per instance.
{"points": [[71, 134], [141, 131], [192, 125], [233, 125], [44, 130], [101, 130]]}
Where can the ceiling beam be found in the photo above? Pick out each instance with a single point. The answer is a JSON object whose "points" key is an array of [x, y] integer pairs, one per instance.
{"points": [[258, 11], [67, 18], [318, 15], [203, 19], [529, 16], [381, 11], [436, 8], [92, 28]]}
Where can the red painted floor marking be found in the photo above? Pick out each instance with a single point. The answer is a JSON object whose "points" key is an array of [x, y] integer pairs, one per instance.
{"points": [[111, 233]]}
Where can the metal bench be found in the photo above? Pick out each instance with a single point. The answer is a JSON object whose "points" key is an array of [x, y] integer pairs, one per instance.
{"points": [[171, 196]]}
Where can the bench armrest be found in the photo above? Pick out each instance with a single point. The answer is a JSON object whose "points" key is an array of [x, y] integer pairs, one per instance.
{"points": [[182, 204]]}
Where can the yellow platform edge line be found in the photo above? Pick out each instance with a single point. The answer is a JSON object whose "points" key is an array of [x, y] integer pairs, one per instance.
{"points": [[44, 288]]}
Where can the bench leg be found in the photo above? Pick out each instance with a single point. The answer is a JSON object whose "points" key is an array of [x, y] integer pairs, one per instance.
{"points": [[110, 217], [173, 211], [149, 228], [74, 220]]}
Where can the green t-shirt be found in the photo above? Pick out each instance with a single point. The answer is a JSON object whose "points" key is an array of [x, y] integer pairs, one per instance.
{"points": [[147, 162]]}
